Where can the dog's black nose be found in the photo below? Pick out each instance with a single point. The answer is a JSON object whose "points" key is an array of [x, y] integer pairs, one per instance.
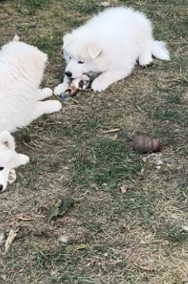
{"points": [[68, 73], [1, 187]]}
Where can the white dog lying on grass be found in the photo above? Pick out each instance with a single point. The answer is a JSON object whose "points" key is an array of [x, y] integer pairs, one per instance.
{"points": [[9, 159], [110, 44], [21, 72]]}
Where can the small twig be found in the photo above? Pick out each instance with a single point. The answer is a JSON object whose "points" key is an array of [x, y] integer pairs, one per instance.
{"points": [[181, 147], [139, 108]]}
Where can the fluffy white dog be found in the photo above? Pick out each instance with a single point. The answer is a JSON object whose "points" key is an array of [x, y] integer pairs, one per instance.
{"points": [[110, 44], [21, 72], [9, 160]]}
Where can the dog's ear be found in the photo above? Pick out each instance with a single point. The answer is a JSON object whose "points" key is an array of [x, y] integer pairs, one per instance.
{"points": [[7, 140], [94, 50]]}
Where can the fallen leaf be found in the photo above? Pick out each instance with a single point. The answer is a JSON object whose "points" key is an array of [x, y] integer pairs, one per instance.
{"points": [[185, 227], [155, 159], [11, 237], [144, 159], [104, 4], [81, 246], [53, 212], [24, 217], [123, 188], [60, 208], [3, 277]]}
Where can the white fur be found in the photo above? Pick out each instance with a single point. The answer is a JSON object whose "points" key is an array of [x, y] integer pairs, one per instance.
{"points": [[21, 72], [9, 159], [110, 44]]}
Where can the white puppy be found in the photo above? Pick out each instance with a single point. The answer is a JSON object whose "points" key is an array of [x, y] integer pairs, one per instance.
{"points": [[110, 44], [9, 159], [21, 72]]}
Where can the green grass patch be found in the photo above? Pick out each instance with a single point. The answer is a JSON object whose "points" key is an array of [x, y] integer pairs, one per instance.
{"points": [[175, 233], [79, 6], [167, 114], [105, 162], [48, 44], [93, 123], [31, 6], [174, 98]]}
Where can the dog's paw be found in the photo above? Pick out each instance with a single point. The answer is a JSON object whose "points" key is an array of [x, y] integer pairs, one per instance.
{"points": [[145, 60], [12, 176], [99, 85], [23, 159], [60, 89], [55, 106], [47, 92]]}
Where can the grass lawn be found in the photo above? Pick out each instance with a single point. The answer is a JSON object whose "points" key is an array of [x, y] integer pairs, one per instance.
{"points": [[121, 220]]}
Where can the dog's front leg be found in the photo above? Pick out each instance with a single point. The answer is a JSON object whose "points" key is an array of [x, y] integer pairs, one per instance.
{"points": [[104, 80], [12, 176], [18, 160], [46, 107], [62, 87], [44, 93]]}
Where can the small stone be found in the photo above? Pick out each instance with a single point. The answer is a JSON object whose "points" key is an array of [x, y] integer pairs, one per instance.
{"points": [[3, 16], [63, 239]]}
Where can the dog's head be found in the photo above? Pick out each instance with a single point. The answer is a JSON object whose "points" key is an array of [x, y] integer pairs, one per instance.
{"points": [[82, 55], [7, 154]]}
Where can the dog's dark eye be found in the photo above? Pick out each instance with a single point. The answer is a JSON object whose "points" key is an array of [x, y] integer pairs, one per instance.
{"points": [[1, 168], [81, 62], [70, 57]]}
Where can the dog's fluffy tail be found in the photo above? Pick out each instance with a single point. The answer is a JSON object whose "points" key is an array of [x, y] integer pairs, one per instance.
{"points": [[159, 50]]}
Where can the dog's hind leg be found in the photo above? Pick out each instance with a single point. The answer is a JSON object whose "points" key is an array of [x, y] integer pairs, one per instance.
{"points": [[145, 58], [46, 107], [44, 93]]}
